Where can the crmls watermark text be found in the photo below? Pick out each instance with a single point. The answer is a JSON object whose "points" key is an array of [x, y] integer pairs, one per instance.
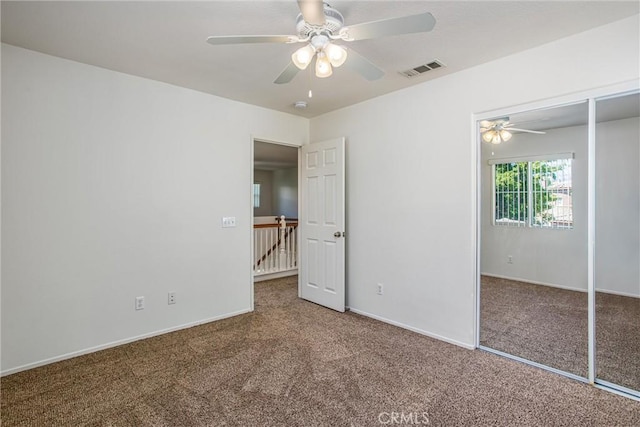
{"points": [[406, 418]]}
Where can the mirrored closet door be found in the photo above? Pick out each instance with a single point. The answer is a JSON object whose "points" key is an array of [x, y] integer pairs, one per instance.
{"points": [[533, 301], [542, 199], [617, 237]]}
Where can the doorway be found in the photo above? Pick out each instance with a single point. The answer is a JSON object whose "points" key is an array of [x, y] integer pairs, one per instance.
{"points": [[317, 249], [275, 210]]}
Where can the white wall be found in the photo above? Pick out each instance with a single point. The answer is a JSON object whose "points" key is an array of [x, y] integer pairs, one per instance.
{"points": [[552, 257], [617, 269], [265, 178], [285, 192], [113, 187], [278, 193], [411, 174]]}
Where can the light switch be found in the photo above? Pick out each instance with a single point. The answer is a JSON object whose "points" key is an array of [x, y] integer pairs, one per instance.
{"points": [[228, 221]]}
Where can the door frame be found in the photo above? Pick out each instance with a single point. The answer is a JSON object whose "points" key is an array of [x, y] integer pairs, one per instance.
{"points": [[476, 143], [252, 141]]}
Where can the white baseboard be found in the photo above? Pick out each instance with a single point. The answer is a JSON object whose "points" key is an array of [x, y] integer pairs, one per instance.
{"points": [[117, 343], [533, 282], [553, 285], [276, 275], [622, 294], [413, 329]]}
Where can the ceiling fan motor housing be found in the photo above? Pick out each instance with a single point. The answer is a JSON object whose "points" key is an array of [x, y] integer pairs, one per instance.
{"points": [[334, 21]]}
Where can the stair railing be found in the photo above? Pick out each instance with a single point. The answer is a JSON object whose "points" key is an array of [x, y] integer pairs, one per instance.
{"points": [[275, 246]]}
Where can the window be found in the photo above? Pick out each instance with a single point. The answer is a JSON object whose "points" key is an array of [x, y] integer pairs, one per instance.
{"points": [[256, 195], [534, 193]]}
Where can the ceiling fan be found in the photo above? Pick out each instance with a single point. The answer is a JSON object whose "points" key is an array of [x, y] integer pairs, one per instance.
{"points": [[319, 26], [498, 130]]}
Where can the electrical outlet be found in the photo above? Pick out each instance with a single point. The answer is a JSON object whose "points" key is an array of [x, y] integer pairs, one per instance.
{"points": [[510, 259], [380, 289], [139, 303], [171, 298]]}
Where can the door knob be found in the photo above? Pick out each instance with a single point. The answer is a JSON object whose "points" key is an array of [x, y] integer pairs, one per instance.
{"points": [[337, 234]]}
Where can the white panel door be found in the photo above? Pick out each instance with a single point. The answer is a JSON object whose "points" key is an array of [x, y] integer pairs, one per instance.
{"points": [[322, 218]]}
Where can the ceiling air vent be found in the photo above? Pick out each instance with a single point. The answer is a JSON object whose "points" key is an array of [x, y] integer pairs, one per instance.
{"points": [[420, 69]]}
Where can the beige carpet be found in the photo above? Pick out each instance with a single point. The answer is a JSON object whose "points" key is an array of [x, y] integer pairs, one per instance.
{"points": [[549, 326], [293, 363], [539, 323]]}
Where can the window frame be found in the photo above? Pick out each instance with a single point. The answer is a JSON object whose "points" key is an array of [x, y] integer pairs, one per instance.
{"points": [[257, 194], [530, 212]]}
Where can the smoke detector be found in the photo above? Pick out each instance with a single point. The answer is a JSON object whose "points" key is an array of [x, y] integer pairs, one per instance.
{"points": [[300, 105]]}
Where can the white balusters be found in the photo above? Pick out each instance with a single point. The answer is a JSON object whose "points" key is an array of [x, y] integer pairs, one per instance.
{"points": [[282, 253], [275, 248]]}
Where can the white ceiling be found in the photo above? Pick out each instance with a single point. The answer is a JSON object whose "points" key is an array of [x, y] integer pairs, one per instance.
{"points": [[267, 156], [165, 41]]}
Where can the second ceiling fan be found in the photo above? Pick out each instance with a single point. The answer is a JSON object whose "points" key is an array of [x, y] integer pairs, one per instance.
{"points": [[319, 26], [499, 130]]}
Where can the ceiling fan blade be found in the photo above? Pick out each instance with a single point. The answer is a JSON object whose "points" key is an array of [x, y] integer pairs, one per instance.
{"points": [[419, 23], [220, 40], [526, 130], [362, 66], [312, 11], [288, 74]]}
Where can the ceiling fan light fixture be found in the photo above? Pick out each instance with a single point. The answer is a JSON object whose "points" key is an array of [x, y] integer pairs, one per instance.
{"points": [[323, 66], [488, 136], [495, 137], [505, 135], [337, 54], [303, 56]]}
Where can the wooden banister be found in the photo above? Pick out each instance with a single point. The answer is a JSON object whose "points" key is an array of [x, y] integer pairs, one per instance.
{"points": [[293, 224], [288, 220]]}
